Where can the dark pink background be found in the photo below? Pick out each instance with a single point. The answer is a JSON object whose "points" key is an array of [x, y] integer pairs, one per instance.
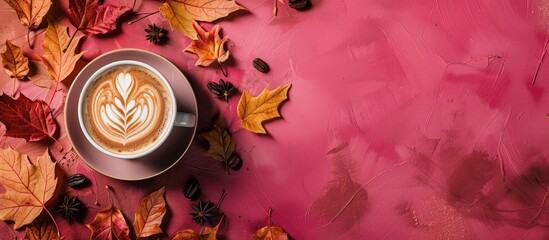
{"points": [[406, 120]]}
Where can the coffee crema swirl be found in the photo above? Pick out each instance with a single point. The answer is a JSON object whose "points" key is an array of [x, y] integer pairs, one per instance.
{"points": [[126, 109]]}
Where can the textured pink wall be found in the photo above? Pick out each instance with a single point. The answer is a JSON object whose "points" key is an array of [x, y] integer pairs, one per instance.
{"points": [[406, 120]]}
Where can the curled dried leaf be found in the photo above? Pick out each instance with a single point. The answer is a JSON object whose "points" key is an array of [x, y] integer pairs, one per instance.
{"points": [[209, 46], [149, 216]]}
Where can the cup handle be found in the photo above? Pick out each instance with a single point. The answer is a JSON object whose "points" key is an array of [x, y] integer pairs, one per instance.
{"points": [[183, 119]]}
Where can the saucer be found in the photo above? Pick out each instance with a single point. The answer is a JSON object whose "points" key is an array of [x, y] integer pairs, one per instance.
{"points": [[162, 158]]}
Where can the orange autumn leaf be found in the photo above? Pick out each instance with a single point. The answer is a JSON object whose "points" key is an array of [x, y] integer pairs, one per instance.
{"points": [[208, 233], [209, 46], [42, 228], [28, 186], [149, 217], [109, 223], [59, 64], [254, 110], [30, 12], [182, 13], [15, 64], [270, 233]]}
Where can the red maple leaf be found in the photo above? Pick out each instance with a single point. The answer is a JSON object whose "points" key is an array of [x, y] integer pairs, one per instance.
{"points": [[91, 18], [24, 118]]}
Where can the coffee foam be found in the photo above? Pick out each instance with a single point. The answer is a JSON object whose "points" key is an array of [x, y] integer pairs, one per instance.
{"points": [[127, 109]]}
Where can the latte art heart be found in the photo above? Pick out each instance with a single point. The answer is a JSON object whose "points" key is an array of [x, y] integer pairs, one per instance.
{"points": [[127, 109]]}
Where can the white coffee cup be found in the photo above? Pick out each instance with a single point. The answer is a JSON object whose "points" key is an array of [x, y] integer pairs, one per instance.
{"points": [[175, 118]]}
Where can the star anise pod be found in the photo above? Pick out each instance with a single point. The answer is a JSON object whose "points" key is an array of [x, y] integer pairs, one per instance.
{"points": [[70, 208], [222, 90], [156, 35], [203, 211]]}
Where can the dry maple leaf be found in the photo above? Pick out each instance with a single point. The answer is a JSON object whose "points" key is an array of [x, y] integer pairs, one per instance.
{"points": [[149, 217], [59, 64], [270, 233], [92, 18], [254, 110], [15, 64], [209, 46], [42, 228], [28, 186], [30, 12], [208, 233], [109, 223], [39, 74], [221, 144], [182, 13], [23, 118]]}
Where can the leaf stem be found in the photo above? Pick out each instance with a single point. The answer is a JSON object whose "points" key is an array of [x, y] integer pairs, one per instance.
{"points": [[221, 199], [13, 92], [222, 70], [107, 188], [28, 39], [70, 41], [133, 6], [270, 216], [540, 61], [275, 9], [53, 220], [146, 15]]}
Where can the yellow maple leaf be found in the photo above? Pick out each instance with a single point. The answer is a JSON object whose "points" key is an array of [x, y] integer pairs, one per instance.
{"points": [[28, 187], [181, 13], [59, 64], [15, 64], [254, 110], [209, 47]]}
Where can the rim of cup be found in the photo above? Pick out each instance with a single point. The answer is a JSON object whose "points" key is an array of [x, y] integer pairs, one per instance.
{"points": [[169, 124]]}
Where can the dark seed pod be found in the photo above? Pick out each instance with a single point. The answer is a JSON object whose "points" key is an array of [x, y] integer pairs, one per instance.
{"points": [[192, 189], [77, 181], [222, 89], [260, 65], [299, 5], [234, 162]]}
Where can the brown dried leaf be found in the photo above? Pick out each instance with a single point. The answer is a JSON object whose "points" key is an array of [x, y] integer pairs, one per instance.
{"points": [[15, 64], [42, 228], [149, 217], [30, 12], [221, 144], [109, 224], [39, 74]]}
